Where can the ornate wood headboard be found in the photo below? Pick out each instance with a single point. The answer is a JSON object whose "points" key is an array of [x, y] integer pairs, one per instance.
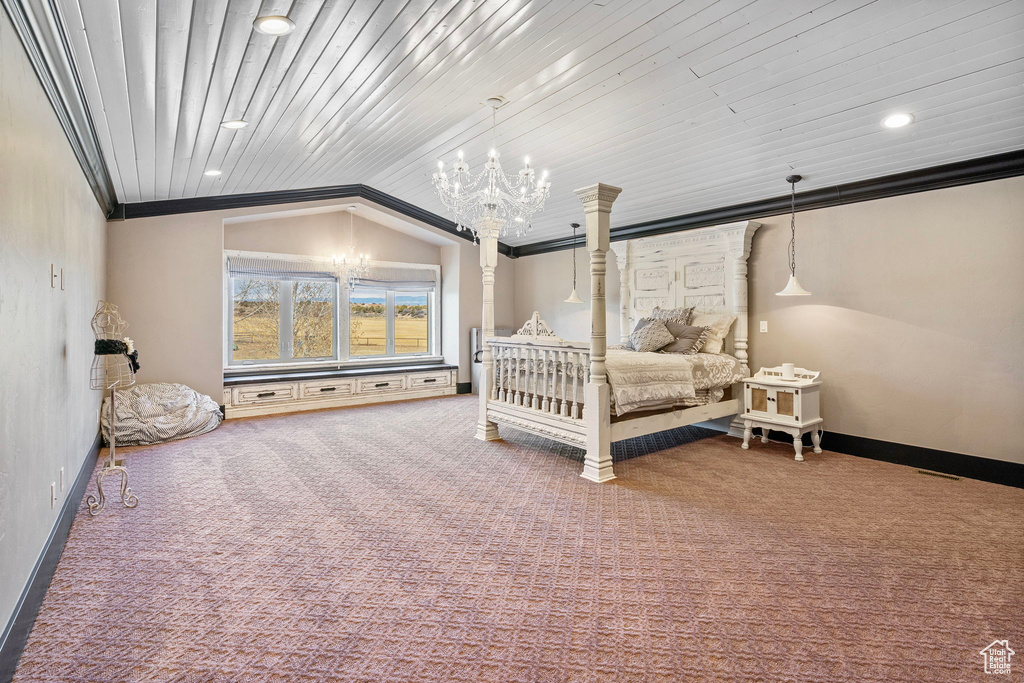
{"points": [[705, 267]]}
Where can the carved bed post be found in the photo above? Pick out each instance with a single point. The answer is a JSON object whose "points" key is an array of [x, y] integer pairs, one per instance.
{"points": [[740, 241], [625, 275], [485, 429], [597, 204]]}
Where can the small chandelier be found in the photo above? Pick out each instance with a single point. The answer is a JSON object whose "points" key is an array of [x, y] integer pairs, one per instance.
{"points": [[494, 203], [349, 267], [793, 287]]}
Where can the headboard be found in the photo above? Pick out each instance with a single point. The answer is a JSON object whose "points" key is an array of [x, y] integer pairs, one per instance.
{"points": [[704, 267]]}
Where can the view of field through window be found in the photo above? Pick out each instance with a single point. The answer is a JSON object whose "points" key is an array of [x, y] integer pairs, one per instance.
{"points": [[368, 322], [257, 319], [258, 325], [313, 319]]}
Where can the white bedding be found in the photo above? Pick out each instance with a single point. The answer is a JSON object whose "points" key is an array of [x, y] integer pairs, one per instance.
{"points": [[646, 381]]}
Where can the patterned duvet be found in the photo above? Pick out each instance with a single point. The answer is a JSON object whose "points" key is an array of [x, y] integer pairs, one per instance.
{"points": [[650, 381]]}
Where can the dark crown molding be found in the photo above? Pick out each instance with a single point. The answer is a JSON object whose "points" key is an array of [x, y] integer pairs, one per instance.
{"points": [[167, 207], [979, 170], [42, 32]]}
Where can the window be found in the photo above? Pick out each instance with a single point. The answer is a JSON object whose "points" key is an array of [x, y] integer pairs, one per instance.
{"points": [[290, 310], [277, 321]]}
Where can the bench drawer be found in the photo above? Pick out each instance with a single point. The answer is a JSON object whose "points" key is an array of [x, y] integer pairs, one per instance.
{"points": [[426, 380], [381, 384], [263, 393], [325, 388]]}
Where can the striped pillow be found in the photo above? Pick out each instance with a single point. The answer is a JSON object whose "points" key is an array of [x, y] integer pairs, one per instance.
{"points": [[683, 315]]}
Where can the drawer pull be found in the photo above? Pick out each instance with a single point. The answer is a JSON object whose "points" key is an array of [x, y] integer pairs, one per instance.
{"points": [[427, 381], [326, 389], [266, 394], [381, 384]]}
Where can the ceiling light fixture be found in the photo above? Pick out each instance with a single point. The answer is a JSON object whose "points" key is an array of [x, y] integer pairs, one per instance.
{"points": [[348, 267], [234, 124], [494, 203], [212, 172], [274, 25], [793, 287], [897, 120], [574, 298]]}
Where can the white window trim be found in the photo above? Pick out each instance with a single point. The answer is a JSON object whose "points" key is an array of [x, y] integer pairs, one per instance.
{"points": [[341, 322]]}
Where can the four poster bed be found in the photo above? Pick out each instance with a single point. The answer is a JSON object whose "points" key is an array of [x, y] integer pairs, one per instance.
{"points": [[587, 395]]}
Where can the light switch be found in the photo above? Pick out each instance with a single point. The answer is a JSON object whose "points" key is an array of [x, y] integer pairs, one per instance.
{"points": [[764, 325], [53, 276]]}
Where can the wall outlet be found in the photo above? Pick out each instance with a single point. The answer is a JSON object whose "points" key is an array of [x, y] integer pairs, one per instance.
{"points": [[61, 479], [764, 325], [53, 494]]}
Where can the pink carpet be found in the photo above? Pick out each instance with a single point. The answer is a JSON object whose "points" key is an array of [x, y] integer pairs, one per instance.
{"points": [[384, 543]]}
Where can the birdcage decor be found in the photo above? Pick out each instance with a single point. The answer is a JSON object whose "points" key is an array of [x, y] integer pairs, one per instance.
{"points": [[113, 367]]}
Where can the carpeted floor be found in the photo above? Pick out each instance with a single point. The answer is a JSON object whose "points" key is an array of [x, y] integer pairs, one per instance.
{"points": [[384, 543]]}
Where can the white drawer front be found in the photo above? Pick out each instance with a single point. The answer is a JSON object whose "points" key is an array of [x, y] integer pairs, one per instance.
{"points": [[381, 384], [325, 388], [426, 380], [263, 393]]}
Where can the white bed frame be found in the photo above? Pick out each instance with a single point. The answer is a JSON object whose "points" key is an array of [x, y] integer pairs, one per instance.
{"points": [[531, 381]]}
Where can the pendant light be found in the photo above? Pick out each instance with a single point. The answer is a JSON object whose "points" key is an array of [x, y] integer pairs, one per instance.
{"points": [[574, 298], [793, 287]]}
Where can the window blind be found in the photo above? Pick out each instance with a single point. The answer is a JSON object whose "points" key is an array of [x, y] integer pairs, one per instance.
{"points": [[276, 268], [270, 268], [409, 278]]}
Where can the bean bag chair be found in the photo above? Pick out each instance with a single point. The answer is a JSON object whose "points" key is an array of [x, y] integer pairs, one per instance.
{"points": [[158, 412]]}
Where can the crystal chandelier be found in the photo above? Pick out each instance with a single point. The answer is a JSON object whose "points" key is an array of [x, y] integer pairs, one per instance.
{"points": [[494, 203], [349, 267]]}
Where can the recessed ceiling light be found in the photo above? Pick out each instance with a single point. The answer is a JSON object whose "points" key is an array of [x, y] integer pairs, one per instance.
{"points": [[212, 172], [234, 124], [897, 120], [274, 25]]}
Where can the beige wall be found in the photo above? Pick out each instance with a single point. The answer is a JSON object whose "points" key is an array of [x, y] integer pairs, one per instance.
{"points": [[327, 234], [166, 273], [544, 281], [48, 414], [916, 319]]}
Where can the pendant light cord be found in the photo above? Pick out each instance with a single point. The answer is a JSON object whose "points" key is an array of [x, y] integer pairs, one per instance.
{"points": [[792, 229], [574, 226]]}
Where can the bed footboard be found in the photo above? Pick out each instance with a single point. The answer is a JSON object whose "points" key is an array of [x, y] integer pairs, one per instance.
{"points": [[538, 383]]}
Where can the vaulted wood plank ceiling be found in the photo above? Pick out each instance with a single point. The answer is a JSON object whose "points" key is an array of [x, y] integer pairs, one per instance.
{"points": [[686, 105]]}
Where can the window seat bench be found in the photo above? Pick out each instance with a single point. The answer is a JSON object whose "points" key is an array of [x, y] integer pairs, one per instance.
{"points": [[286, 392]]}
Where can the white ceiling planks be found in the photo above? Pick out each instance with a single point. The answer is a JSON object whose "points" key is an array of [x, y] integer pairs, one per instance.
{"points": [[687, 105]]}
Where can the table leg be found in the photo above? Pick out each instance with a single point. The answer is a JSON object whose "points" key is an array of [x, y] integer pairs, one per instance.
{"points": [[748, 429], [798, 446], [816, 440]]}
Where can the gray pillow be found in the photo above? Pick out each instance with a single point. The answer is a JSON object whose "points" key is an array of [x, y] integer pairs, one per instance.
{"points": [[650, 337], [688, 338], [629, 340], [683, 315]]}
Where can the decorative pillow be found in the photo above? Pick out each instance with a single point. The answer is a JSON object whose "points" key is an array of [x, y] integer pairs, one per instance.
{"points": [[689, 338], [683, 315], [719, 324], [651, 337], [629, 340]]}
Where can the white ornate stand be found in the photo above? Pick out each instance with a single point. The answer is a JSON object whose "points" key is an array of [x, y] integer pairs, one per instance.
{"points": [[129, 499], [786, 405]]}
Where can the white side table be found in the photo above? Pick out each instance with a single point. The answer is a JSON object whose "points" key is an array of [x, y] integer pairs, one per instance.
{"points": [[785, 405]]}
